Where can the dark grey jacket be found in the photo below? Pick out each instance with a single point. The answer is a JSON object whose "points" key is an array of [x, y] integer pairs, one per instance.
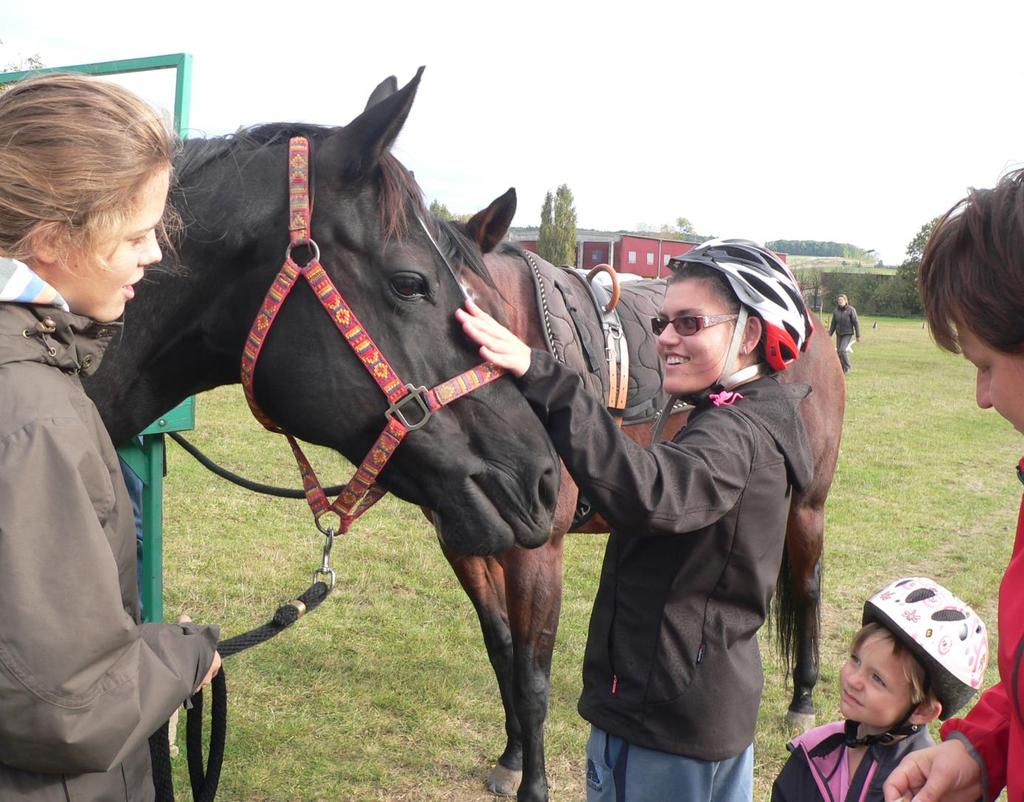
{"points": [[698, 527], [82, 683], [844, 322]]}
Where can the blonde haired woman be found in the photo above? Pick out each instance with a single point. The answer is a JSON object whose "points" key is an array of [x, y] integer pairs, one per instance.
{"points": [[84, 174]]}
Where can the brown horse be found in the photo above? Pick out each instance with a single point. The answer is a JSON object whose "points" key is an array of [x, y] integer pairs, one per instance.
{"points": [[517, 594]]}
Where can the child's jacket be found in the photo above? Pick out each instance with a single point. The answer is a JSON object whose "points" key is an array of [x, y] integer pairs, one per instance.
{"points": [[813, 770]]}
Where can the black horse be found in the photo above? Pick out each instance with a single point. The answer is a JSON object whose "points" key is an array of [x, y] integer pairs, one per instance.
{"points": [[483, 464]]}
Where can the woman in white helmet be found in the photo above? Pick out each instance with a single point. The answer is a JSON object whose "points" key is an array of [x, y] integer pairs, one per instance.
{"points": [[672, 674], [920, 655]]}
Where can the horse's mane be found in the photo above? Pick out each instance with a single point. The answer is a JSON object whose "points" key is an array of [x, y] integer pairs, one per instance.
{"points": [[460, 249], [399, 194], [507, 248]]}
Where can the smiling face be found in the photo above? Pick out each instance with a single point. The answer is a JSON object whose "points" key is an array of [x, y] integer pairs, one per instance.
{"points": [[694, 363], [98, 285], [875, 687], [1000, 379]]}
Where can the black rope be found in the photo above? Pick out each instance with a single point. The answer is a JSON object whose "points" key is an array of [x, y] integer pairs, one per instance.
{"points": [[286, 615], [241, 481], [205, 780]]}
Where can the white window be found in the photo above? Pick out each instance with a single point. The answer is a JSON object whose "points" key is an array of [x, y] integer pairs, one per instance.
{"points": [[667, 257], [650, 258], [632, 257], [596, 255]]}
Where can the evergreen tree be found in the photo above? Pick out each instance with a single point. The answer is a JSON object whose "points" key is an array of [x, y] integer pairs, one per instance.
{"points": [[439, 210], [564, 227], [546, 235]]}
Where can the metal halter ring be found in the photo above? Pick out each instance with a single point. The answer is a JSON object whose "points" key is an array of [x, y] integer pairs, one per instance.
{"points": [[309, 243]]}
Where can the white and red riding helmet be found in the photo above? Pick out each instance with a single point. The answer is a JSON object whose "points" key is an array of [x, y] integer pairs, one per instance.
{"points": [[945, 635], [764, 285]]}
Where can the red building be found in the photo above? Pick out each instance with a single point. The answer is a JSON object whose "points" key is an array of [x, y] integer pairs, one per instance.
{"points": [[628, 253]]}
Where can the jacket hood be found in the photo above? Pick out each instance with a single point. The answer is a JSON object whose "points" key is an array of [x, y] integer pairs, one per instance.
{"points": [[19, 283], [51, 336], [777, 410]]}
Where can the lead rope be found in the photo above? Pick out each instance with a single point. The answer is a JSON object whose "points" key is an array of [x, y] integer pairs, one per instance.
{"points": [[204, 780]]}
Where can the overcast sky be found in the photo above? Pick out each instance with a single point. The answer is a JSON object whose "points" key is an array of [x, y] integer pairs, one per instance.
{"points": [[855, 122]]}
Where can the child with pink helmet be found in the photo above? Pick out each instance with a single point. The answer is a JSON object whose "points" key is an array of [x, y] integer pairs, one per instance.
{"points": [[920, 655]]}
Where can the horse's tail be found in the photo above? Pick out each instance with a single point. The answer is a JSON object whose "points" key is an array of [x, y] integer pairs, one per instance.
{"points": [[790, 610]]}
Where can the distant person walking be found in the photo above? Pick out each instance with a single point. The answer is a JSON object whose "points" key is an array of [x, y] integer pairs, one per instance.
{"points": [[845, 326]]}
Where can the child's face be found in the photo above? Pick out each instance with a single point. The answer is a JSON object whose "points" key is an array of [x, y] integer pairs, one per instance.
{"points": [[100, 285], [874, 688]]}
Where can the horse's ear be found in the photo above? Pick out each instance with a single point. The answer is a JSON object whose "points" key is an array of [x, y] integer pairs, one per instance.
{"points": [[351, 152], [385, 89], [487, 228]]}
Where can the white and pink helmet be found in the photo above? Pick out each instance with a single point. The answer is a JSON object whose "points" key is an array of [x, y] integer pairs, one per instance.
{"points": [[940, 630]]}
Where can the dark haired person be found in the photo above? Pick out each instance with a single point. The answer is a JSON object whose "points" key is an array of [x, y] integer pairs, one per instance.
{"points": [[672, 674], [972, 286]]}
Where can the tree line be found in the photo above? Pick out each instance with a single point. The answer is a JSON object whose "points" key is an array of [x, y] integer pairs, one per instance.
{"points": [[811, 247], [894, 295]]}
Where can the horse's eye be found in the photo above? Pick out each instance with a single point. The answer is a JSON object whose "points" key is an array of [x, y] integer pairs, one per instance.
{"points": [[409, 285]]}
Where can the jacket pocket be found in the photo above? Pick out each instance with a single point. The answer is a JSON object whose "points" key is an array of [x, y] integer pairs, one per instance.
{"points": [[678, 654]]}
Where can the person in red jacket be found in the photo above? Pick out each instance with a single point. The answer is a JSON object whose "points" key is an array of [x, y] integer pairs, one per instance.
{"points": [[972, 285]]}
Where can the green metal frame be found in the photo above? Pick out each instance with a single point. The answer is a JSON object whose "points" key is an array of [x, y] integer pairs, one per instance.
{"points": [[181, 63], [146, 456]]}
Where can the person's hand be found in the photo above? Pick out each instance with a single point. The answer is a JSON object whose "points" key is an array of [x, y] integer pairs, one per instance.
{"points": [[214, 670], [497, 344], [214, 666], [945, 772]]}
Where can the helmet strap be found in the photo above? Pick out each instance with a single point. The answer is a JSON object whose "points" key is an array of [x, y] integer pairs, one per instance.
{"points": [[728, 380], [724, 377], [898, 730]]}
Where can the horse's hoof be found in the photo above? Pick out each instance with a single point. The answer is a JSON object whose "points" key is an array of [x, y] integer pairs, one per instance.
{"points": [[800, 721], [502, 781]]}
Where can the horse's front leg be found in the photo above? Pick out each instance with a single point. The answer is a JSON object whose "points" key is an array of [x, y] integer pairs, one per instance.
{"points": [[806, 570], [534, 586], [483, 579]]}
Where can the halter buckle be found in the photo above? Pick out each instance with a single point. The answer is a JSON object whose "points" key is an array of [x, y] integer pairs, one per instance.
{"points": [[414, 395]]}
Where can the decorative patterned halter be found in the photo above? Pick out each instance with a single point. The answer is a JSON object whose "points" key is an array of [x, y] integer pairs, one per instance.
{"points": [[405, 400]]}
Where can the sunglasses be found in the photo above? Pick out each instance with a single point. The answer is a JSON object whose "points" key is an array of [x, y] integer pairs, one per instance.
{"points": [[688, 325]]}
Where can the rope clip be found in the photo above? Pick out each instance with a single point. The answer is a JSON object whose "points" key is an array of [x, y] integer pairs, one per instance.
{"points": [[325, 569]]}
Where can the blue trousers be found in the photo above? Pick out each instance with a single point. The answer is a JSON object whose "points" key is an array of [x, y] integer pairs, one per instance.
{"points": [[622, 772]]}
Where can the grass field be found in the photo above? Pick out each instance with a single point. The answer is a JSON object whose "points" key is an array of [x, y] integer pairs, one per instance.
{"points": [[838, 264], [385, 692]]}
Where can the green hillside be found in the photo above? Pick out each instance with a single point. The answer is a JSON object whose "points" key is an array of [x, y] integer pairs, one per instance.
{"points": [[838, 264]]}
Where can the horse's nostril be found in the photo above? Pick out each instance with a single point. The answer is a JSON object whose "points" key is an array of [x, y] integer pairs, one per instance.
{"points": [[549, 485]]}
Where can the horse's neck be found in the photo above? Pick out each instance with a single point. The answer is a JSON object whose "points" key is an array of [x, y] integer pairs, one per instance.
{"points": [[515, 293], [169, 349]]}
